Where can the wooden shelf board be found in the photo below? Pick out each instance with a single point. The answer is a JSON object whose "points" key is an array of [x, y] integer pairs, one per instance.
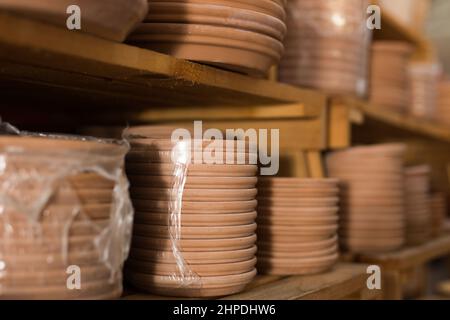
{"points": [[411, 256], [344, 281], [74, 71], [415, 125]]}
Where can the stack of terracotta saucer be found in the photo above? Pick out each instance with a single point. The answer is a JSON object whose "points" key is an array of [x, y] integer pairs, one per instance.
{"points": [[66, 215], [418, 211], [423, 78], [439, 209], [244, 36], [389, 86], [372, 197], [297, 225], [327, 45], [442, 113], [109, 19], [194, 231]]}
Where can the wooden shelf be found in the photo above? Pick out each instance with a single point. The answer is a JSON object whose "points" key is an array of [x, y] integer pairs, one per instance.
{"points": [[63, 71], [401, 121], [345, 281], [412, 256]]}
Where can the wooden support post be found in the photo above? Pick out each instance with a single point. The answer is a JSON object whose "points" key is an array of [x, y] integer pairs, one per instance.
{"points": [[315, 164], [392, 284]]}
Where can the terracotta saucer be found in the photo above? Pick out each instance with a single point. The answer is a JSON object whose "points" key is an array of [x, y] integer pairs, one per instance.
{"points": [[298, 192], [297, 230], [144, 156], [197, 220], [191, 258], [50, 277], [201, 270], [203, 282], [45, 144], [298, 202], [195, 194], [271, 182], [388, 149], [195, 232], [216, 15], [124, 15], [297, 247], [190, 245], [296, 266], [190, 293], [264, 6], [194, 182], [141, 140], [264, 211], [198, 170], [192, 207], [278, 220], [298, 255], [51, 230], [90, 181], [60, 292]]}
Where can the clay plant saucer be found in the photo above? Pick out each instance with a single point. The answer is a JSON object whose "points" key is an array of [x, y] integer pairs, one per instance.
{"points": [[201, 270], [298, 192], [54, 212], [141, 140], [197, 220], [297, 230], [191, 258], [279, 220], [216, 15], [50, 277], [195, 194], [298, 202], [269, 7], [50, 261], [51, 230], [192, 207], [298, 255], [83, 196], [296, 266], [112, 20], [197, 170], [220, 157], [276, 182], [297, 247], [294, 212], [195, 245], [90, 181], [372, 232], [60, 292], [63, 143], [379, 201], [195, 232], [388, 149], [203, 282], [236, 56], [193, 182]]}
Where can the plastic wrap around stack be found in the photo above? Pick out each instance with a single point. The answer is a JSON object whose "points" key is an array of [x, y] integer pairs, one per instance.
{"points": [[297, 225], [109, 19], [65, 218], [423, 78], [194, 232], [442, 113], [327, 45], [372, 217], [439, 209], [389, 85], [244, 36], [418, 210]]}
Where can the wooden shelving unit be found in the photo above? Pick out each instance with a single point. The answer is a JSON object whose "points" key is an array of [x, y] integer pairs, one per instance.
{"points": [[81, 73], [396, 266], [345, 281]]}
